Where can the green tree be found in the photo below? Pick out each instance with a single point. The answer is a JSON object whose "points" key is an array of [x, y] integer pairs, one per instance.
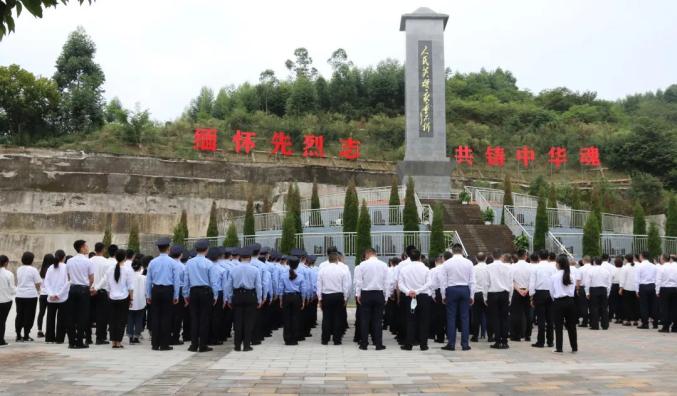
{"points": [[410, 218], [654, 241], [437, 244], [267, 84], [316, 216], [133, 240], [671, 218], [108, 233], [302, 67], [394, 202], [575, 198], [203, 105], [552, 196], [136, 125], [638, 221], [363, 237], [507, 196], [541, 227], [181, 230], [350, 214], [596, 202], [288, 239], [35, 7], [249, 228], [303, 98], [537, 186], [231, 239], [80, 81], [591, 235], [115, 112], [212, 227]]}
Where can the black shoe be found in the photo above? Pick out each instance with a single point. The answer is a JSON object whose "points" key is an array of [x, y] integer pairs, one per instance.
{"points": [[166, 348], [256, 342], [85, 346], [19, 339], [28, 339], [664, 330], [495, 346], [338, 343], [248, 349], [594, 328], [192, 348], [655, 326], [89, 342], [325, 342], [41, 334], [136, 340], [156, 348], [466, 348], [557, 351], [380, 347], [439, 340], [205, 349], [3, 342], [644, 326], [504, 346], [406, 347], [550, 345], [473, 339], [424, 347], [491, 339], [516, 339], [448, 348], [582, 325], [300, 339], [102, 342], [363, 347], [537, 345]]}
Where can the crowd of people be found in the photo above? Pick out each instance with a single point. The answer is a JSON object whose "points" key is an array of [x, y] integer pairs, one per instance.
{"points": [[209, 294]]}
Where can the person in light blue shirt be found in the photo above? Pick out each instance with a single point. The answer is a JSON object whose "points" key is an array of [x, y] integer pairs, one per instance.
{"points": [[215, 255], [162, 290], [179, 310], [292, 303], [229, 261], [243, 291], [199, 296]]}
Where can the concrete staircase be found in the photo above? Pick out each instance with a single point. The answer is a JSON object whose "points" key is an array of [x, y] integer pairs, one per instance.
{"points": [[476, 236]]}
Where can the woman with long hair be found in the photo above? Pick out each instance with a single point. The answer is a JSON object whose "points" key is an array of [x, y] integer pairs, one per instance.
{"points": [[47, 260], [27, 292], [628, 291], [121, 294], [292, 303], [7, 292], [56, 287], [562, 290]]}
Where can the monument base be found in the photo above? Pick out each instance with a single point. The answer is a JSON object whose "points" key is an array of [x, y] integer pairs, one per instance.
{"points": [[429, 176]]}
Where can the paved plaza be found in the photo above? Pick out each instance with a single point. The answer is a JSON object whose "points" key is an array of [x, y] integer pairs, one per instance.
{"points": [[621, 361]]}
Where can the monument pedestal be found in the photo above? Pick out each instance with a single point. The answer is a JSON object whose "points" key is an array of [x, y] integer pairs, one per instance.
{"points": [[429, 176]]}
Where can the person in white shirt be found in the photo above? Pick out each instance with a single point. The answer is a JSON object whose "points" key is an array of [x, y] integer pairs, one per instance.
{"points": [[391, 304], [56, 286], [628, 291], [666, 287], [562, 289], [416, 284], [47, 260], [497, 296], [539, 290], [615, 301], [581, 299], [120, 281], [438, 321], [646, 288], [402, 309], [99, 292], [333, 289], [520, 304], [27, 291], [7, 293], [137, 310], [597, 289], [457, 279], [371, 292], [81, 275], [479, 308]]}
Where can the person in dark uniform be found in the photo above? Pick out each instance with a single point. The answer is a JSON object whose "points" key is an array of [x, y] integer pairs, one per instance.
{"points": [[292, 302], [215, 255], [178, 310], [198, 294], [162, 287], [243, 292]]}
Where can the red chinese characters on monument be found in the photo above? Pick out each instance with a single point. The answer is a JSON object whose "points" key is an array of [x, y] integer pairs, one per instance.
{"points": [[281, 144], [204, 139], [313, 146], [244, 141], [525, 155], [495, 156], [589, 156], [557, 156], [350, 149], [463, 154]]}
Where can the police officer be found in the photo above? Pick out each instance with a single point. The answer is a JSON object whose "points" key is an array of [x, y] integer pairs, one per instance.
{"points": [[215, 255], [178, 310], [243, 292], [266, 284], [199, 297], [162, 285]]}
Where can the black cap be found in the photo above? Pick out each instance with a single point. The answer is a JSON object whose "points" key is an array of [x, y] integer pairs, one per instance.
{"points": [[164, 241], [311, 258], [202, 244], [213, 253], [332, 250], [246, 251], [176, 250], [228, 251], [298, 252], [264, 250], [192, 253]]}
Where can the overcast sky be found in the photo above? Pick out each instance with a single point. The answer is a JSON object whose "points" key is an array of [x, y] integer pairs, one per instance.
{"points": [[160, 52]]}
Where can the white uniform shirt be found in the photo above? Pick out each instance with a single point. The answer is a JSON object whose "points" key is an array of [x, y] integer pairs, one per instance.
{"points": [[372, 275], [333, 278], [7, 288], [609, 267], [457, 271], [398, 268], [100, 266], [500, 277], [521, 273], [616, 275], [139, 301], [481, 278], [628, 280], [27, 277], [583, 273], [540, 277], [415, 276], [597, 276], [119, 290], [79, 268], [558, 289], [56, 283], [575, 274], [645, 273]]}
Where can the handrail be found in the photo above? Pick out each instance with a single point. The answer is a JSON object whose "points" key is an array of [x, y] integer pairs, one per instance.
{"points": [[515, 226], [457, 239], [557, 244]]}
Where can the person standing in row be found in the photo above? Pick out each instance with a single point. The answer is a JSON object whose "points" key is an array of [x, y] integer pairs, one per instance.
{"points": [[562, 289], [438, 324], [597, 289], [457, 279], [215, 255], [81, 274], [498, 289], [120, 287], [520, 306], [292, 302], [178, 310], [199, 297], [615, 299], [243, 293], [47, 261], [27, 291], [646, 287], [415, 283], [137, 309], [666, 284], [7, 293], [479, 308], [582, 303], [162, 290], [56, 286], [539, 290], [371, 292], [333, 288], [628, 291], [99, 292]]}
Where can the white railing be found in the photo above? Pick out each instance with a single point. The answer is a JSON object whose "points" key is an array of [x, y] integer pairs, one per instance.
{"points": [[516, 227], [614, 244], [571, 218], [373, 196], [552, 244], [452, 237], [438, 196]]}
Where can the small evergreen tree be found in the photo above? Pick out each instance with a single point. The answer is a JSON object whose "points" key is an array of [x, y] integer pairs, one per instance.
{"points": [[363, 237], [575, 198], [249, 228], [552, 196], [107, 234], [231, 239], [133, 240], [350, 214], [297, 208], [591, 235], [638, 222], [507, 196], [671, 218], [596, 202], [394, 202], [541, 228], [437, 244], [410, 220], [316, 216], [654, 241], [288, 239], [181, 230], [267, 205], [212, 229]]}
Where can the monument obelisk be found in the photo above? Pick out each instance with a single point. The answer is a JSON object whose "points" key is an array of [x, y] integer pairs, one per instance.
{"points": [[425, 157]]}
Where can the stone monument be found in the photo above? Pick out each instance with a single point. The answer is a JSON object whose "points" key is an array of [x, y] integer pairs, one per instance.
{"points": [[425, 157]]}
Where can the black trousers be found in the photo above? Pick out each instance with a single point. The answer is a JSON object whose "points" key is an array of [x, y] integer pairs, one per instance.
{"points": [[103, 314], [630, 306], [418, 322], [520, 316], [291, 308], [119, 311], [599, 308], [162, 297], [201, 304], [228, 322], [564, 314], [25, 315], [401, 318], [582, 306], [42, 310], [78, 301], [543, 310], [372, 304], [615, 306], [439, 317], [216, 333], [244, 308], [4, 312], [58, 319], [179, 320], [648, 304], [668, 303], [498, 312], [333, 314], [478, 311]]}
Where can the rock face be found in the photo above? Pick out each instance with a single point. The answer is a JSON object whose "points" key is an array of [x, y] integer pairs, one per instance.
{"points": [[50, 198]]}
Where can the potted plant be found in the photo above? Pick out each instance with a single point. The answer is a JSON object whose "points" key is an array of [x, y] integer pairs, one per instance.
{"points": [[521, 242], [488, 216], [464, 197]]}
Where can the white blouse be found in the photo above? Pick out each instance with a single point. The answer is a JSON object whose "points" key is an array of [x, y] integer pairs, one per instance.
{"points": [[119, 290], [57, 284], [139, 301], [7, 288], [27, 277]]}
